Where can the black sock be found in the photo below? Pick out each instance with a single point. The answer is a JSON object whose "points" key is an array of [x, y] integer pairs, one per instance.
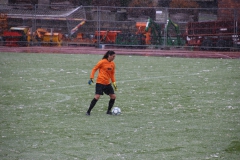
{"points": [[110, 104], [92, 104]]}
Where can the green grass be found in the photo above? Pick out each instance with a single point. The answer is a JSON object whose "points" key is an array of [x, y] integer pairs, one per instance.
{"points": [[172, 109]]}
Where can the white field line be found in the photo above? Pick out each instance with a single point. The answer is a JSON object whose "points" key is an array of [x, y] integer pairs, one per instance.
{"points": [[47, 89], [147, 78], [121, 81]]}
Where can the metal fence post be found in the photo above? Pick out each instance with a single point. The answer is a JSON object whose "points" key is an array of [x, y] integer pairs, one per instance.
{"points": [[98, 26], [165, 31]]}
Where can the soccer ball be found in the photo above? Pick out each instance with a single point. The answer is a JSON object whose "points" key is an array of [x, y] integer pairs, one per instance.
{"points": [[116, 111]]}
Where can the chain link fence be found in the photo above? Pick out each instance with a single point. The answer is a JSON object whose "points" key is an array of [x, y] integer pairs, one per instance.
{"points": [[139, 27]]}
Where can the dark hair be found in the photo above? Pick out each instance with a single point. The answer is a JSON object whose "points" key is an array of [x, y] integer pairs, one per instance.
{"points": [[107, 54]]}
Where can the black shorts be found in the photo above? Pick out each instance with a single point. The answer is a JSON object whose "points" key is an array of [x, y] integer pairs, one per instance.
{"points": [[107, 89]]}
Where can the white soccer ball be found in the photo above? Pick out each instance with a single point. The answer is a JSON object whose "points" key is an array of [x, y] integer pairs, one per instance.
{"points": [[116, 111]]}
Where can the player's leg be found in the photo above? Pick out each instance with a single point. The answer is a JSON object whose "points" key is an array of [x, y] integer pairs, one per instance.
{"points": [[98, 93], [93, 103], [109, 91], [111, 103]]}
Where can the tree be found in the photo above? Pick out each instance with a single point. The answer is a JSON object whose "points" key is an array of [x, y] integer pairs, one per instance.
{"points": [[150, 12], [83, 2], [183, 4], [124, 3], [106, 3]]}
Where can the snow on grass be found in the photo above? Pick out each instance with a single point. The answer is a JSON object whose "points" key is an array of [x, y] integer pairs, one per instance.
{"points": [[172, 108]]}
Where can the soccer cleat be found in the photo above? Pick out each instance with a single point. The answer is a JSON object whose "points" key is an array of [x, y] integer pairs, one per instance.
{"points": [[109, 112], [88, 114]]}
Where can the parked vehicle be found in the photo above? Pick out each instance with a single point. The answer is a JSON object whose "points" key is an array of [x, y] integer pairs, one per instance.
{"points": [[152, 33], [170, 31], [220, 35], [16, 36]]}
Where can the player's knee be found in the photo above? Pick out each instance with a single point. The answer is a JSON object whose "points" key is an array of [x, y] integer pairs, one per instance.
{"points": [[112, 96], [97, 97]]}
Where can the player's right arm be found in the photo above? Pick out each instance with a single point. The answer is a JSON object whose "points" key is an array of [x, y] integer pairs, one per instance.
{"points": [[95, 68]]}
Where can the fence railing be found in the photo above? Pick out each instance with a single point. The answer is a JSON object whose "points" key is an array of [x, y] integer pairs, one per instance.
{"points": [[142, 27]]}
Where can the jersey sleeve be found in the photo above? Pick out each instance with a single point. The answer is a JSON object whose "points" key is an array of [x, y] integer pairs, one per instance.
{"points": [[113, 74], [95, 68]]}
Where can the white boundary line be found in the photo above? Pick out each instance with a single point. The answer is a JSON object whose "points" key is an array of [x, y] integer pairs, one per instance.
{"points": [[121, 81], [146, 78]]}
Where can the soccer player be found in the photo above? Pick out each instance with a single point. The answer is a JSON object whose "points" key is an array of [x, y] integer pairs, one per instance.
{"points": [[106, 76]]}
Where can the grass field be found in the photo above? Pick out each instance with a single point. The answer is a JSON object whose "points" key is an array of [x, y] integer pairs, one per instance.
{"points": [[172, 109]]}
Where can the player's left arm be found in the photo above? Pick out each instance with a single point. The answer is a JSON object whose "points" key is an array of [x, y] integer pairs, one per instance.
{"points": [[113, 79]]}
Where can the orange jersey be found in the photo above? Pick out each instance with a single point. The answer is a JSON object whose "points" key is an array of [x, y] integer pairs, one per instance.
{"points": [[106, 72]]}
